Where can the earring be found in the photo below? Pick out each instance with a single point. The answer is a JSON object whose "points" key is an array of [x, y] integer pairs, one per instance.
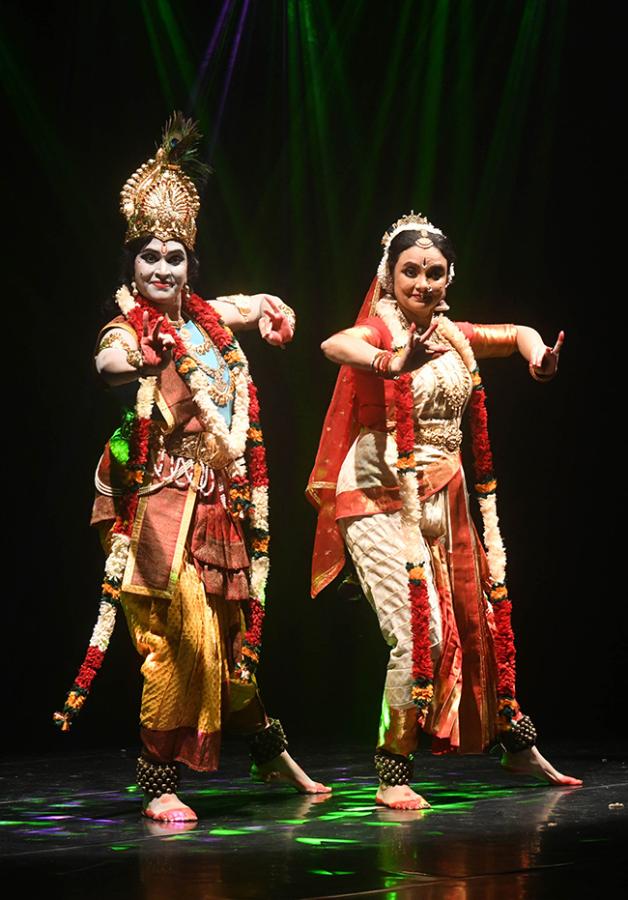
{"points": [[187, 291], [134, 290]]}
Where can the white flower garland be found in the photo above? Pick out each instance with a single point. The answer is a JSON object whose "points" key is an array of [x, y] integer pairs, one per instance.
{"points": [[103, 629], [260, 566]]}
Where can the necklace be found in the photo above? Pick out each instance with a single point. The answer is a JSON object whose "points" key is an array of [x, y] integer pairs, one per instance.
{"points": [[456, 392], [221, 386]]}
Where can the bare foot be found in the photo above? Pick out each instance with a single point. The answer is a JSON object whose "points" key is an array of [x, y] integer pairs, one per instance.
{"points": [[400, 796], [168, 808], [530, 762], [284, 768]]}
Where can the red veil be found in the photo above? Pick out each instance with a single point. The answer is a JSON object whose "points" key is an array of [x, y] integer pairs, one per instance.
{"points": [[340, 429]]}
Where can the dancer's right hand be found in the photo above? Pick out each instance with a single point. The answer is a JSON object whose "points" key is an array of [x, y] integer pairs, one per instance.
{"points": [[156, 347], [417, 351]]}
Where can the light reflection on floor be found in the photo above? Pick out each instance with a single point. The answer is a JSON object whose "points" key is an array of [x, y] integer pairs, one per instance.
{"points": [[487, 834]]}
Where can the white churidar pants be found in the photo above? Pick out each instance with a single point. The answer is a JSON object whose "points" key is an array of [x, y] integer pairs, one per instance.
{"points": [[377, 550]]}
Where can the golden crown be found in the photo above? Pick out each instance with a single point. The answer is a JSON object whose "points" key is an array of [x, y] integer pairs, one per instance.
{"points": [[159, 198]]}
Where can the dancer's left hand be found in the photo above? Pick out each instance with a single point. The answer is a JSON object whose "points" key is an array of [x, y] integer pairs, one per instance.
{"points": [[544, 360]]}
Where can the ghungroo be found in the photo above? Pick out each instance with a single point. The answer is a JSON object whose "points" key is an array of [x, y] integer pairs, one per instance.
{"points": [[521, 736], [156, 778], [393, 769], [267, 744]]}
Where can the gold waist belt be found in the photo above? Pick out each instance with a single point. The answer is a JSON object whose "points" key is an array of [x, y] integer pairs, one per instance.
{"points": [[440, 434], [200, 447]]}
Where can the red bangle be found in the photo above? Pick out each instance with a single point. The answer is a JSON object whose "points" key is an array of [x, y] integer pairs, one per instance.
{"points": [[381, 363]]}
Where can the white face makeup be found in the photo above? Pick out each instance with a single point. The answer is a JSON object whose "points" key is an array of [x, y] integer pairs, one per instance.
{"points": [[161, 271], [420, 283]]}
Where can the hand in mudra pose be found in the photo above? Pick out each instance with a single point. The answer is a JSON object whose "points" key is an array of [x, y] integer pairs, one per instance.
{"points": [[418, 351], [156, 346], [274, 325]]}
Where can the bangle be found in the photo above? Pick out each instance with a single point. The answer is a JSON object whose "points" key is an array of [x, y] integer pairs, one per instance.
{"points": [[381, 362]]}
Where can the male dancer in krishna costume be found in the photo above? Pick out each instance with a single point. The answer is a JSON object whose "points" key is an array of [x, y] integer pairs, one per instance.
{"points": [[182, 495]]}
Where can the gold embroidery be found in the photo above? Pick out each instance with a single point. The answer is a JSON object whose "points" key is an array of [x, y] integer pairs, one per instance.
{"points": [[440, 434], [199, 447]]}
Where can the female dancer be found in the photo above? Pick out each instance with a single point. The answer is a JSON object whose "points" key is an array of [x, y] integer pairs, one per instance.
{"points": [[388, 483]]}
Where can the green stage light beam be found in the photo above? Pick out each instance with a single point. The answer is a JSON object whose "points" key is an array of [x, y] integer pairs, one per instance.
{"points": [[463, 124], [500, 169], [177, 43], [160, 65], [54, 156], [381, 125], [425, 163]]}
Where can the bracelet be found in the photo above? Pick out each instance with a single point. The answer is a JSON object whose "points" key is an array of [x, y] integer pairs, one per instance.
{"points": [[381, 363]]}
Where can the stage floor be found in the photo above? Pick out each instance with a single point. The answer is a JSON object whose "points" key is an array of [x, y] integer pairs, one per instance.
{"points": [[70, 827]]}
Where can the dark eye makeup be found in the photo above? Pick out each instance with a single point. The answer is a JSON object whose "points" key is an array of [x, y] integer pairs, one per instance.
{"points": [[173, 259]]}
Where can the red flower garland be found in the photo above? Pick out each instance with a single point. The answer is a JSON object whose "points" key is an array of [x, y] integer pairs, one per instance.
{"points": [[258, 473], [486, 484], [422, 669]]}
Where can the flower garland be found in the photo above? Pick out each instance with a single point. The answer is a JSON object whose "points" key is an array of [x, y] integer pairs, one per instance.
{"points": [[231, 442], [485, 489], [408, 472], [115, 564], [486, 492], [422, 671], [260, 540]]}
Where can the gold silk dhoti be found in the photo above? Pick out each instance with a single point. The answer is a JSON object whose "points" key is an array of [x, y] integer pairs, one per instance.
{"points": [[188, 647]]}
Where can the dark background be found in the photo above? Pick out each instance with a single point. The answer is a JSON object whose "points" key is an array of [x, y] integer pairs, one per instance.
{"points": [[324, 122]]}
